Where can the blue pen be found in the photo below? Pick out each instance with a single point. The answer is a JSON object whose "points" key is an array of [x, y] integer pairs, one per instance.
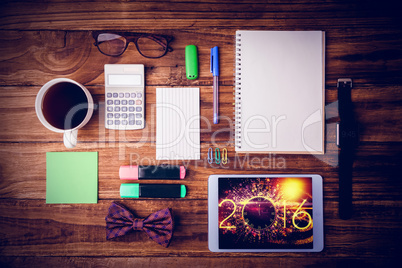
{"points": [[215, 74]]}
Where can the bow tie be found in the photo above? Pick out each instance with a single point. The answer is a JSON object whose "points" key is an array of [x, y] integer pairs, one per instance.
{"points": [[158, 225]]}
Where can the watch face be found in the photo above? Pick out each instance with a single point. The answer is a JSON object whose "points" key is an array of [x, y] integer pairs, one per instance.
{"points": [[259, 213]]}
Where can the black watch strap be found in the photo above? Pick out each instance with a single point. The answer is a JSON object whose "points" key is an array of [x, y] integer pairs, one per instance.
{"points": [[347, 140]]}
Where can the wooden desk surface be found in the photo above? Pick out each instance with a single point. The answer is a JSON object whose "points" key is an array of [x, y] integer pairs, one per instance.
{"points": [[42, 41]]}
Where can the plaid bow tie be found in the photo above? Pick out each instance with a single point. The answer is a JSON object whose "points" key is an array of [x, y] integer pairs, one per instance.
{"points": [[158, 225]]}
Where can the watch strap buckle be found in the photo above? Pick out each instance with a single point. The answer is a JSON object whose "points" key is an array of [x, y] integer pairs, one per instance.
{"points": [[345, 81]]}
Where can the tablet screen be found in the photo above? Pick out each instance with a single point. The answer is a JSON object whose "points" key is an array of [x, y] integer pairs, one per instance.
{"points": [[265, 213]]}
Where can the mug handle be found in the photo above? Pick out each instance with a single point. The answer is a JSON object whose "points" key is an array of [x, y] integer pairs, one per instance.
{"points": [[70, 138]]}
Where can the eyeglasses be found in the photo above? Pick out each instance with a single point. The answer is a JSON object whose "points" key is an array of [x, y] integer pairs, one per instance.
{"points": [[148, 45]]}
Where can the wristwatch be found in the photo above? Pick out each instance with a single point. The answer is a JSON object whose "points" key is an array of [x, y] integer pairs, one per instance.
{"points": [[347, 141]]}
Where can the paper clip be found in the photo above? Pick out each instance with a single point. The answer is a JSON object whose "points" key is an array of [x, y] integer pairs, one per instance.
{"points": [[210, 155], [224, 156], [217, 156]]}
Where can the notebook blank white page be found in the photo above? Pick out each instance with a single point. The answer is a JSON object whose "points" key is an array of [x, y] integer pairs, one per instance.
{"points": [[280, 91], [177, 123]]}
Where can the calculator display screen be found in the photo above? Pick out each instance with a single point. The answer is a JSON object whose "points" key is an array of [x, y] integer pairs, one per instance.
{"points": [[124, 80], [265, 213]]}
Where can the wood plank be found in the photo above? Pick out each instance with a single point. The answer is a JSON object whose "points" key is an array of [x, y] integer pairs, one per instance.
{"points": [[44, 55], [23, 169], [174, 261], [79, 230], [18, 121], [186, 7], [110, 22], [181, 15]]}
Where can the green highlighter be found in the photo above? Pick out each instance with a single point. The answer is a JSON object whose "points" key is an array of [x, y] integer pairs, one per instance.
{"points": [[191, 62], [137, 190]]}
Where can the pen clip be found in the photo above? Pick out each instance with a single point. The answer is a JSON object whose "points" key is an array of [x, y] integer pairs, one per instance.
{"points": [[212, 60], [217, 156], [210, 155]]}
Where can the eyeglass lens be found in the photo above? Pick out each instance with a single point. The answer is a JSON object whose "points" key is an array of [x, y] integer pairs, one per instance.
{"points": [[114, 45], [111, 44]]}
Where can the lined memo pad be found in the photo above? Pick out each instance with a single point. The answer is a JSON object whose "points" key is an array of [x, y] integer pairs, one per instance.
{"points": [[177, 123]]}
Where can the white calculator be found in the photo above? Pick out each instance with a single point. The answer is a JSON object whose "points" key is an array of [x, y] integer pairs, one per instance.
{"points": [[124, 96]]}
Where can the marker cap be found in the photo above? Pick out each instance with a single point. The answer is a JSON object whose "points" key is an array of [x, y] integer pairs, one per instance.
{"points": [[191, 58], [130, 190], [215, 61], [182, 172], [183, 191], [128, 172]]}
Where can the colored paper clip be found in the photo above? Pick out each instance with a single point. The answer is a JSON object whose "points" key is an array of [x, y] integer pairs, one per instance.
{"points": [[224, 156], [217, 156], [210, 159]]}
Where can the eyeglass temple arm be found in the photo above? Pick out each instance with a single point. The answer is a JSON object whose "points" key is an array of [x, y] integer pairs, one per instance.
{"points": [[161, 43]]}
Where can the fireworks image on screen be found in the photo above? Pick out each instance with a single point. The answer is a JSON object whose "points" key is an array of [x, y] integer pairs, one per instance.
{"points": [[265, 213]]}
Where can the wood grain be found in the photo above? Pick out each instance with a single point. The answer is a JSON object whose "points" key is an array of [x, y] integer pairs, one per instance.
{"points": [[79, 230], [72, 54], [20, 184], [218, 261], [42, 40]]}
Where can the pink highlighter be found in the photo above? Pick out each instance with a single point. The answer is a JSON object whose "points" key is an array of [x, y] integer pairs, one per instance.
{"points": [[161, 172]]}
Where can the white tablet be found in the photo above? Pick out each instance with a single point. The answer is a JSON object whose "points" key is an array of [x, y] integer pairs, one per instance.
{"points": [[265, 213]]}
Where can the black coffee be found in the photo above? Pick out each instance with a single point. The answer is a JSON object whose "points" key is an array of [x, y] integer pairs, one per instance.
{"points": [[65, 105]]}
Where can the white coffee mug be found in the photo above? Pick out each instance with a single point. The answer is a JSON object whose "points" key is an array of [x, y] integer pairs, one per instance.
{"points": [[64, 106]]}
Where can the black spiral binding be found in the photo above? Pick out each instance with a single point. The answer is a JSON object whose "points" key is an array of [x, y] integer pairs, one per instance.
{"points": [[237, 93]]}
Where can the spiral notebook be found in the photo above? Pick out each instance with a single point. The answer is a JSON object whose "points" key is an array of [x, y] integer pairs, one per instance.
{"points": [[280, 92]]}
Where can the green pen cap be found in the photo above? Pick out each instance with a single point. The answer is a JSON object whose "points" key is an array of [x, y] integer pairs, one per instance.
{"points": [[191, 57]]}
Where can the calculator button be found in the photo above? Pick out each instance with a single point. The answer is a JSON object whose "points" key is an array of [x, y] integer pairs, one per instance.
{"points": [[131, 109], [121, 95], [109, 102], [110, 122], [117, 109], [123, 115], [131, 102], [131, 122], [124, 122], [139, 95], [127, 95], [109, 95], [115, 95], [138, 122], [124, 109], [138, 109], [116, 115], [138, 115], [116, 102], [133, 95], [131, 116], [109, 115], [117, 122], [124, 102], [110, 109], [138, 102]]}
